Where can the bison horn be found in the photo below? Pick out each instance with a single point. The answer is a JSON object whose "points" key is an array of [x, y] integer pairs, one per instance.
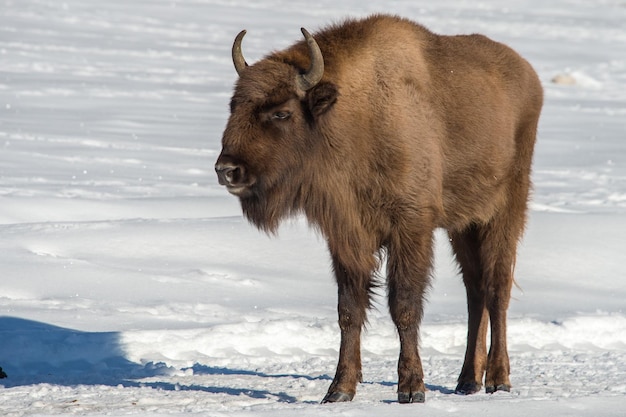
{"points": [[315, 72], [304, 81], [238, 59]]}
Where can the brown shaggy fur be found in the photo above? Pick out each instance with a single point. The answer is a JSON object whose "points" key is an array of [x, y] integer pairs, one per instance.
{"points": [[406, 132]]}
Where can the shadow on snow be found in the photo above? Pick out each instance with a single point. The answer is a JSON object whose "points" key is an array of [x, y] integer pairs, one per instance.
{"points": [[33, 353]]}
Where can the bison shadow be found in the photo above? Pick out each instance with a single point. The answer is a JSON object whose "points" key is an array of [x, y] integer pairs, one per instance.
{"points": [[34, 353]]}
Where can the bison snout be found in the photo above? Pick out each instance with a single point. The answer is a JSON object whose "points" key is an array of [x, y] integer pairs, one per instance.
{"points": [[233, 176], [229, 174]]}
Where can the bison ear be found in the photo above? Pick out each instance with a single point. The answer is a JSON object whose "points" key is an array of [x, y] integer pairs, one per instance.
{"points": [[321, 98]]}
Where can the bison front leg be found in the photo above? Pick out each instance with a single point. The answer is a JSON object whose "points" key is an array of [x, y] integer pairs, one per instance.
{"points": [[354, 299], [408, 278]]}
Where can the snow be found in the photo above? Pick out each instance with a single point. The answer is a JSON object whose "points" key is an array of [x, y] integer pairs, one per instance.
{"points": [[130, 284]]}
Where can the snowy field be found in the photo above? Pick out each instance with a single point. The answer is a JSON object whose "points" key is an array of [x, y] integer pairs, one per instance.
{"points": [[130, 284]]}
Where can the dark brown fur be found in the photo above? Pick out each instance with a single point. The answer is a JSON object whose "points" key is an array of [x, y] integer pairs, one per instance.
{"points": [[407, 131]]}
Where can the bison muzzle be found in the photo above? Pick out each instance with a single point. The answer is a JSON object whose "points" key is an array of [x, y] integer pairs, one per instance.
{"points": [[380, 131]]}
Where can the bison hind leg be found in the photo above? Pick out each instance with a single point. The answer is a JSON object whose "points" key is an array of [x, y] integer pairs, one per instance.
{"points": [[466, 246], [486, 254]]}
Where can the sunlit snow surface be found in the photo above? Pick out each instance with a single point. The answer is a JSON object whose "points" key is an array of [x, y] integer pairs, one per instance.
{"points": [[130, 284]]}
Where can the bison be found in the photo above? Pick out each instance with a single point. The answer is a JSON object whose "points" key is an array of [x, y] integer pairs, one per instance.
{"points": [[380, 131]]}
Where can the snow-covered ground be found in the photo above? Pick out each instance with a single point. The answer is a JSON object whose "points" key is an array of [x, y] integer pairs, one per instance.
{"points": [[130, 284]]}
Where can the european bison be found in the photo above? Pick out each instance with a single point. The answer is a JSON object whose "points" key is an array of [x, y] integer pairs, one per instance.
{"points": [[380, 131]]}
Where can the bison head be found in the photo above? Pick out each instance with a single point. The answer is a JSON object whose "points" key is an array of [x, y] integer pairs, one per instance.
{"points": [[272, 129]]}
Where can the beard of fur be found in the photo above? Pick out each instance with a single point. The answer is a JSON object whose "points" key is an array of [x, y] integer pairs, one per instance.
{"points": [[266, 208]]}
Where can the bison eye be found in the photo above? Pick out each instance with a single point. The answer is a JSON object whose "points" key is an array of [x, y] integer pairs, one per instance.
{"points": [[281, 115]]}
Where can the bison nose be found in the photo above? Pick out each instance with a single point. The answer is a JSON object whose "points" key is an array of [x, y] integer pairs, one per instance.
{"points": [[229, 174]]}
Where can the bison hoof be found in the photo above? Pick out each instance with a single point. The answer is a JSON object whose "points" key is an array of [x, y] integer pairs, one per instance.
{"points": [[490, 389], [467, 388], [411, 397], [337, 397]]}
